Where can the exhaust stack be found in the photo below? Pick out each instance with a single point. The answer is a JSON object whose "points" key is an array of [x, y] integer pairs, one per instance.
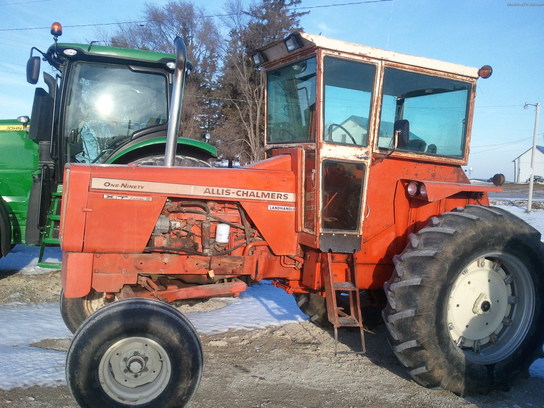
{"points": [[176, 102]]}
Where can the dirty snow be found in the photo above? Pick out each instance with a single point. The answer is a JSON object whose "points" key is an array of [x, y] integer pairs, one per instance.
{"points": [[23, 324]]}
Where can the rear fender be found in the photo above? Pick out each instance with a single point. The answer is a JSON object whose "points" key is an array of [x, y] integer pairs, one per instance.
{"points": [[156, 146], [432, 191]]}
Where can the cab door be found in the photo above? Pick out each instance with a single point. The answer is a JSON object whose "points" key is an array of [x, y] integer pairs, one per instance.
{"points": [[344, 154]]}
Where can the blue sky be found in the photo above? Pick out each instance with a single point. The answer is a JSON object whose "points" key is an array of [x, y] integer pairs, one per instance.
{"points": [[506, 34]]}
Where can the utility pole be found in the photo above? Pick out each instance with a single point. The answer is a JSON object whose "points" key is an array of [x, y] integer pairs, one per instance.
{"points": [[531, 178]]}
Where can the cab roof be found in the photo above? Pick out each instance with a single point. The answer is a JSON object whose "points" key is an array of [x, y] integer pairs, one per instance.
{"points": [[277, 51], [92, 52]]}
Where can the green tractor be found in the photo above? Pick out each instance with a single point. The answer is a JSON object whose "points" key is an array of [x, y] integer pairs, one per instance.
{"points": [[105, 105]]}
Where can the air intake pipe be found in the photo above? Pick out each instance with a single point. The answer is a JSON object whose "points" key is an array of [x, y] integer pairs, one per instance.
{"points": [[176, 103]]}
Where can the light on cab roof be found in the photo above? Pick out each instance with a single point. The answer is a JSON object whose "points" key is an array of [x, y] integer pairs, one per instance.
{"points": [[56, 29]]}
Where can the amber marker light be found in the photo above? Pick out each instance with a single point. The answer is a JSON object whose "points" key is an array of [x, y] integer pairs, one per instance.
{"points": [[56, 29], [485, 71]]}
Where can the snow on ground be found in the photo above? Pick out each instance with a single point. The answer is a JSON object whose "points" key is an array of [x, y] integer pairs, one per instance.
{"points": [[21, 324]]}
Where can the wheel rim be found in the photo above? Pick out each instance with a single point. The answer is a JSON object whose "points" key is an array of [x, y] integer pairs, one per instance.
{"points": [[134, 370], [490, 307], [93, 302]]}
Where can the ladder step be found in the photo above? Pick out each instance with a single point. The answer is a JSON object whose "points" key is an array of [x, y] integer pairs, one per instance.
{"points": [[51, 241], [348, 321], [345, 286]]}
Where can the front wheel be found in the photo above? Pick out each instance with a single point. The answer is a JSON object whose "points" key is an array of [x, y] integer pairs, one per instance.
{"points": [[134, 352], [464, 304]]}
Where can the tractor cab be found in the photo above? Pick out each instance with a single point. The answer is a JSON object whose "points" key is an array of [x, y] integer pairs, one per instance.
{"points": [[348, 107], [102, 98]]}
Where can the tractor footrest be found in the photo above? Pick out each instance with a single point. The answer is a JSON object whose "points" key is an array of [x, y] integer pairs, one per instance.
{"points": [[344, 286], [50, 265], [348, 321]]}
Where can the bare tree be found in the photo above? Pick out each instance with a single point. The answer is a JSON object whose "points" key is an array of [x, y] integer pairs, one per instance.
{"points": [[242, 86], [202, 38]]}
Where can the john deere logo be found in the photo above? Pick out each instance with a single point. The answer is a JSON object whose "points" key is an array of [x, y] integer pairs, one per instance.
{"points": [[11, 128]]}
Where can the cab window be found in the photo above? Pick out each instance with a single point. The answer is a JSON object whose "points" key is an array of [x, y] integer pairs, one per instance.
{"points": [[423, 114], [348, 97]]}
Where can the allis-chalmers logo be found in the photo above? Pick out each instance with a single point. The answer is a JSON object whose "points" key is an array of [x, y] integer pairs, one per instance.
{"points": [[190, 190]]}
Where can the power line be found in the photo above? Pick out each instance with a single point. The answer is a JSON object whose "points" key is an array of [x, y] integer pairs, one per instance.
{"points": [[355, 3], [23, 2], [208, 16], [510, 142], [74, 25]]}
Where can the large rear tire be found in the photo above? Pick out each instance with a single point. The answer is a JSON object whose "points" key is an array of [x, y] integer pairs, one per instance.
{"points": [[465, 311], [134, 352]]}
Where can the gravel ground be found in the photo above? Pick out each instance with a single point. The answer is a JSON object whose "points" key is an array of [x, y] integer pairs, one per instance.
{"points": [[290, 366]]}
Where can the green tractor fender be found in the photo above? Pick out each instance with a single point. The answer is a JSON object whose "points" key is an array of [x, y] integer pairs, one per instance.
{"points": [[146, 148]]}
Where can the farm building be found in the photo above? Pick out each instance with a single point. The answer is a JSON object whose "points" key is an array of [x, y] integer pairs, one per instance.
{"points": [[522, 165]]}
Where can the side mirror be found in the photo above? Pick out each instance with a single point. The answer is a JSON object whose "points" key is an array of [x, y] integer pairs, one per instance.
{"points": [[42, 116], [401, 130], [33, 70]]}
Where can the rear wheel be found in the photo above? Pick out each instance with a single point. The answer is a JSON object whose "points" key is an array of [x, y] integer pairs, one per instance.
{"points": [[464, 305], [134, 352], [75, 310]]}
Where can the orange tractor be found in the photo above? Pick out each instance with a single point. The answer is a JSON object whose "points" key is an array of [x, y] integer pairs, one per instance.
{"points": [[362, 190]]}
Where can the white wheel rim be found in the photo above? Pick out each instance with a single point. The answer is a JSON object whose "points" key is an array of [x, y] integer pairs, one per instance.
{"points": [[93, 302], [134, 370], [490, 307]]}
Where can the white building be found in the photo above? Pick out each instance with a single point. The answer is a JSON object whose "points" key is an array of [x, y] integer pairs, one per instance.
{"points": [[522, 165]]}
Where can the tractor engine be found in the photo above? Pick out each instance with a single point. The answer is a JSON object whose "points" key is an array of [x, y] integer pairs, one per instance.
{"points": [[201, 228]]}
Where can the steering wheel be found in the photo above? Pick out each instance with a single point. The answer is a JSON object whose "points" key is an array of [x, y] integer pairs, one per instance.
{"points": [[344, 129]]}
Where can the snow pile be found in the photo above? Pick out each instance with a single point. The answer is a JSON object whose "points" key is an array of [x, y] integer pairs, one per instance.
{"points": [[258, 307]]}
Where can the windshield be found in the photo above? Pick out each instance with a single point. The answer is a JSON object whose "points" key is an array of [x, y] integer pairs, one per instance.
{"points": [[432, 111], [106, 104], [291, 102]]}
